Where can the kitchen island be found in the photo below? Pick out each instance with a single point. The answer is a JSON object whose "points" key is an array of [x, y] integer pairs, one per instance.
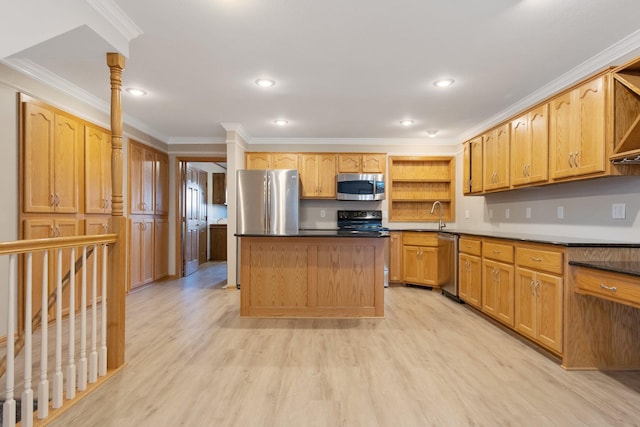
{"points": [[315, 273]]}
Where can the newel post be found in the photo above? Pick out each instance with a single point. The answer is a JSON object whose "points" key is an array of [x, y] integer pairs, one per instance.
{"points": [[116, 292]]}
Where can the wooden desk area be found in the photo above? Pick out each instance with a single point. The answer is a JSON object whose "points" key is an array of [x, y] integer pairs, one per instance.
{"points": [[311, 276]]}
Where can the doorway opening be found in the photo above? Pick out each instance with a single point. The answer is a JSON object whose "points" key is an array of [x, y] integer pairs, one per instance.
{"points": [[202, 213]]}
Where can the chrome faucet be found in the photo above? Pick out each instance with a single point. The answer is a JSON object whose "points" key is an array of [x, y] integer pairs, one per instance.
{"points": [[441, 224]]}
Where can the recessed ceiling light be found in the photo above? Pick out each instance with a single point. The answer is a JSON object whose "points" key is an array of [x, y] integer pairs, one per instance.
{"points": [[432, 133], [407, 122], [265, 82], [135, 92], [443, 82], [280, 122]]}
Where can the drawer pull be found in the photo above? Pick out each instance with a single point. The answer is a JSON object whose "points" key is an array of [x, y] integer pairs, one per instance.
{"points": [[609, 288], [536, 259], [495, 251]]}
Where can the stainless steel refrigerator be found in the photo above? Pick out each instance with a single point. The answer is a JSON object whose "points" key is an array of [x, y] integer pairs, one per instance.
{"points": [[267, 202]]}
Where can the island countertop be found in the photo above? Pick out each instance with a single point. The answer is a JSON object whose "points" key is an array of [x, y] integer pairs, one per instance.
{"points": [[323, 233]]}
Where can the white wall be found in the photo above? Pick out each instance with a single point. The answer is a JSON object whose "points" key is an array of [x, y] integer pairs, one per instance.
{"points": [[586, 204]]}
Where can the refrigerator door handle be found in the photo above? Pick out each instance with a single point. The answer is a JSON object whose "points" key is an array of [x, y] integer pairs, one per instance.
{"points": [[267, 202]]}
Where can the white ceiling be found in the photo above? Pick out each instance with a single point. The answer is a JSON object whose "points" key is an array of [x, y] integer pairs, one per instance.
{"points": [[344, 68]]}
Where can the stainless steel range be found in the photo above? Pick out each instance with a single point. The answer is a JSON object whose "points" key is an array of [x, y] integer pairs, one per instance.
{"points": [[366, 222]]}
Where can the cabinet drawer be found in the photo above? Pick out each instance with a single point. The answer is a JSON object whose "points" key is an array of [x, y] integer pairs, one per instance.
{"points": [[470, 246], [539, 259], [498, 251], [420, 239], [615, 287]]}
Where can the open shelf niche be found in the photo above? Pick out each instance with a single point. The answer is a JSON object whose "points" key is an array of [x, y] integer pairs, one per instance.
{"points": [[415, 183]]}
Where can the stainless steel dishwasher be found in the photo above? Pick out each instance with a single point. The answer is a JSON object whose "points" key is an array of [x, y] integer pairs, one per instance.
{"points": [[448, 265]]}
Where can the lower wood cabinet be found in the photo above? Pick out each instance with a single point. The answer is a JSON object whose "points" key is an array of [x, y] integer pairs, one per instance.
{"points": [[538, 303], [470, 279], [498, 291], [420, 258], [218, 242]]}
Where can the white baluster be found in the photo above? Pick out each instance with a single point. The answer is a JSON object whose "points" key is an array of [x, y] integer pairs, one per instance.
{"points": [[82, 361], [93, 356], [57, 373], [9, 406], [43, 386], [103, 334], [71, 366], [27, 393]]}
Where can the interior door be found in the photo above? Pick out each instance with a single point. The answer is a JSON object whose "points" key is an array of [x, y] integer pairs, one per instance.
{"points": [[203, 202], [191, 221]]}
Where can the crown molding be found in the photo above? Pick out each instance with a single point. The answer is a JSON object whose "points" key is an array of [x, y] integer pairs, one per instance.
{"points": [[195, 140], [617, 52], [35, 71], [237, 127], [357, 141], [112, 13]]}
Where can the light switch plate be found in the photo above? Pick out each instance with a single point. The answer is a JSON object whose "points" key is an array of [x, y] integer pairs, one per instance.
{"points": [[527, 213], [490, 213], [323, 213], [560, 212], [467, 214], [618, 211], [507, 213]]}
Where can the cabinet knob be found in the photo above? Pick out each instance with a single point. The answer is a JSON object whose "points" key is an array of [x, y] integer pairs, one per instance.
{"points": [[570, 158], [575, 159]]}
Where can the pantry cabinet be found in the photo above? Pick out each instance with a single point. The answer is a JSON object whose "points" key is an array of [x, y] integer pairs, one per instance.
{"points": [[577, 131], [50, 153], [530, 147], [141, 184], [97, 171], [318, 176], [141, 253], [161, 246], [161, 184]]}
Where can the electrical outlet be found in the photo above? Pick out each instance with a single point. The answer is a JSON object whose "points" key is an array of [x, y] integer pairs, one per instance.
{"points": [[490, 213], [507, 213], [527, 213], [323, 213], [618, 211], [467, 214], [560, 212]]}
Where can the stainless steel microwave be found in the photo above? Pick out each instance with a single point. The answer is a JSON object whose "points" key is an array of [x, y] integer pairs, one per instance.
{"points": [[359, 186]]}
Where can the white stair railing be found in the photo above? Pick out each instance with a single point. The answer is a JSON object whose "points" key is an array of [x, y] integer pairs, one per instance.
{"points": [[65, 382]]}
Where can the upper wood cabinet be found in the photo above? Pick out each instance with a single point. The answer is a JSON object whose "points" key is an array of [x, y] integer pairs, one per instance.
{"points": [[495, 146], [530, 147], [255, 160], [362, 163], [149, 180], [626, 96], [472, 164], [50, 153], [219, 188], [318, 176], [577, 132], [97, 171]]}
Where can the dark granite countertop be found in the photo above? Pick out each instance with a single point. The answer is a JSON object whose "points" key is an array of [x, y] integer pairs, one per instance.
{"points": [[535, 238], [624, 267], [322, 233]]}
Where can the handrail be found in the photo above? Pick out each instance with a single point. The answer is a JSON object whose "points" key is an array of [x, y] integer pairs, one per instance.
{"points": [[33, 245]]}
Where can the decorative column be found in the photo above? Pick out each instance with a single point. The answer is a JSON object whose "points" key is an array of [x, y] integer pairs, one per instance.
{"points": [[118, 256]]}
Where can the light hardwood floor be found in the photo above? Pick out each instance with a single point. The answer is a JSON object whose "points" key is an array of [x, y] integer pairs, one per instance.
{"points": [[192, 361]]}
